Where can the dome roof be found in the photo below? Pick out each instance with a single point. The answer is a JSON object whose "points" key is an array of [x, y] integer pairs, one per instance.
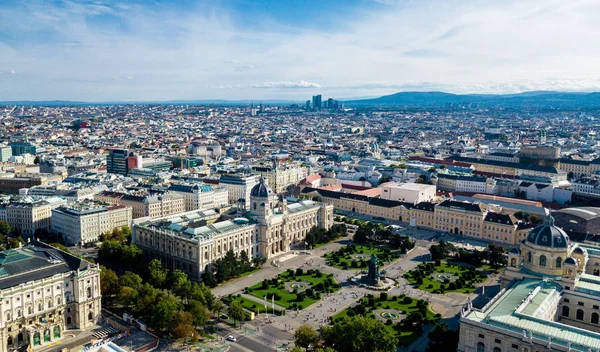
{"points": [[261, 190], [515, 250], [578, 250], [548, 235], [570, 261]]}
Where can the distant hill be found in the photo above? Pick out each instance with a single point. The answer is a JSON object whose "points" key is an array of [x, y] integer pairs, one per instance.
{"points": [[535, 99]]}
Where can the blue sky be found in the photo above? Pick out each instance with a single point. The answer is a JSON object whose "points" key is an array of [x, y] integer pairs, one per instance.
{"points": [[292, 49]]}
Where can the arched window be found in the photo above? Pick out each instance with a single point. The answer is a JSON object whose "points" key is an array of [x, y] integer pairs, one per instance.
{"points": [[90, 316], [480, 347], [497, 349], [558, 262], [47, 335], [68, 320], [579, 314], [542, 261], [19, 313], [513, 262], [40, 308], [9, 341], [36, 339], [529, 257], [57, 332], [597, 272], [30, 310], [7, 316], [58, 301], [594, 318], [89, 292], [20, 337], [565, 311]]}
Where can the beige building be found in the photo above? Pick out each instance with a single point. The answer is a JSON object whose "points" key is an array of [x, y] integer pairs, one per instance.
{"points": [[12, 183], [549, 299], [192, 241], [146, 206], [201, 196], [281, 175], [84, 223], [238, 188], [467, 219], [45, 293], [27, 217]]}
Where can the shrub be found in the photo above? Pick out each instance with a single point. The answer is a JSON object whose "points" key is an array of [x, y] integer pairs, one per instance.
{"points": [[383, 296], [299, 272], [309, 292], [351, 313], [300, 297], [407, 300], [265, 285], [437, 262], [388, 322], [360, 309]]}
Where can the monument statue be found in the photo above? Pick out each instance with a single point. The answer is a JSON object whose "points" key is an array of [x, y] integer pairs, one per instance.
{"points": [[373, 273]]}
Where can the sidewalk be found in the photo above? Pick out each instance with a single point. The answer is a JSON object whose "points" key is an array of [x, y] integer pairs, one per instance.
{"points": [[262, 301]]}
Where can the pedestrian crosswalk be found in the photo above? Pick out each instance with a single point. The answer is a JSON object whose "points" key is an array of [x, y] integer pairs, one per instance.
{"points": [[104, 332]]}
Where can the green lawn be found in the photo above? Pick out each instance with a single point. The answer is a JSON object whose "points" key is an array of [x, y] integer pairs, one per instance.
{"points": [[346, 255], [249, 304], [288, 299], [405, 335], [424, 277]]}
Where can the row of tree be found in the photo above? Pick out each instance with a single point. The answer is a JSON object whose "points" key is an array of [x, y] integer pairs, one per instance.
{"points": [[230, 266], [317, 235], [493, 254], [378, 234], [178, 310]]}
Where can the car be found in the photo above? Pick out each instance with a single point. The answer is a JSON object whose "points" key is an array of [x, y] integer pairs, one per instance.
{"points": [[231, 338]]}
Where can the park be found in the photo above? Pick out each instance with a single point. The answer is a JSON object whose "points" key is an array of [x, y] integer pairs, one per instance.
{"points": [[402, 315], [445, 276], [352, 257], [294, 289]]}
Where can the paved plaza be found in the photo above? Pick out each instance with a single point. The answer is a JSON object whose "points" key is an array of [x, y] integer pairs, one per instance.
{"points": [[278, 330]]}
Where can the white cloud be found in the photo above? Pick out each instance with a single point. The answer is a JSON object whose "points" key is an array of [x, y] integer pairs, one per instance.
{"points": [[286, 84], [470, 46]]}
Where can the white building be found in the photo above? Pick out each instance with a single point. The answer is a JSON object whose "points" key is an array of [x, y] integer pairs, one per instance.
{"points": [[146, 206], [45, 293], [5, 153], [28, 216], [81, 224], [408, 192], [201, 196], [471, 184], [586, 185], [238, 187]]}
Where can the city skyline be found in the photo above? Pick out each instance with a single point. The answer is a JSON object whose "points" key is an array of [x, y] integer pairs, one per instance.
{"points": [[267, 50]]}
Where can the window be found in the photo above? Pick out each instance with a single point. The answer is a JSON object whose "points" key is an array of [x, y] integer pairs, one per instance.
{"points": [[513, 262], [543, 261], [480, 347], [594, 318], [567, 300], [515, 346], [580, 304], [481, 336], [558, 262], [579, 314], [497, 349], [595, 306], [565, 311], [497, 341], [529, 257]]}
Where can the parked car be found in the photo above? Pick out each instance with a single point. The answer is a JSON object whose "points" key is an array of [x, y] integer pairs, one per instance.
{"points": [[231, 338]]}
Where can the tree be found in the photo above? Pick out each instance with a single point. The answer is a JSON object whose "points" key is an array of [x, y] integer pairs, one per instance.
{"points": [[441, 339], [217, 307], [362, 235], [157, 273], [182, 325], [109, 285], [359, 334], [236, 311], [306, 336], [163, 313], [180, 284], [5, 228], [199, 311], [495, 256], [131, 280], [128, 296]]}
